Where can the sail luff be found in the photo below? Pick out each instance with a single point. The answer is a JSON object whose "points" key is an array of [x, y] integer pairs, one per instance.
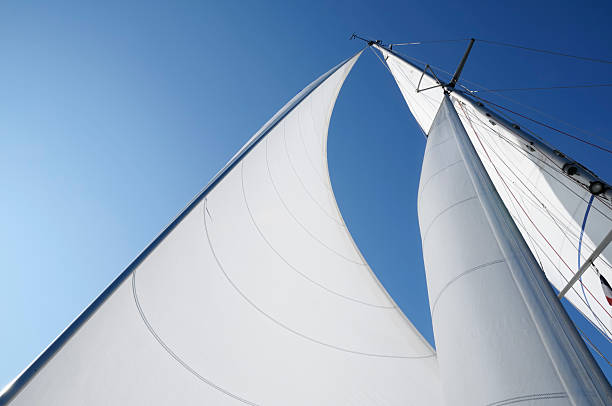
{"points": [[522, 347]]}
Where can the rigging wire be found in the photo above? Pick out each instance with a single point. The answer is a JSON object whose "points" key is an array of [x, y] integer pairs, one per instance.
{"points": [[546, 125], [508, 98], [600, 353], [500, 112], [542, 88], [429, 42], [508, 189], [555, 168], [592, 345], [516, 171], [550, 116], [386, 66], [550, 164], [529, 218], [586, 215], [471, 92], [597, 350], [506, 44], [544, 51]]}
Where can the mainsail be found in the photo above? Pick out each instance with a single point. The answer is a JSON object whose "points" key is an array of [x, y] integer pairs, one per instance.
{"points": [[255, 294], [546, 193]]}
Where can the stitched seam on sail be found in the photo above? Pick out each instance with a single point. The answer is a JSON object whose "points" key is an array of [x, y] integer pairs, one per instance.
{"points": [[249, 301], [464, 273], [302, 182], [261, 234], [430, 146], [295, 218], [437, 173], [524, 398], [173, 355], [433, 220], [308, 157]]}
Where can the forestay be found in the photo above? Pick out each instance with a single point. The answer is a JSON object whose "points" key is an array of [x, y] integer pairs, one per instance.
{"points": [[255, 294], [551, 210]]}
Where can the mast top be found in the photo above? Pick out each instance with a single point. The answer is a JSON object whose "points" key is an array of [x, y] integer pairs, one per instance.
{"points": [[369, 41]]}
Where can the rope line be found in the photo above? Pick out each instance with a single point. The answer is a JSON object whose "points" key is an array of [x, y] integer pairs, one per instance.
{"points": [[529, 218], [523, 226], [546, 125], [430, 42], [555, 168], [538, 111], [544, 51], [597, 350], [506, 97], [586, 215], [543, 88]]}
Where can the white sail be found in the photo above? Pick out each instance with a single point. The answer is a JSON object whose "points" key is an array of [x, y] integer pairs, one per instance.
{"points": [[255, 294], [493, 311], [547, 205]]}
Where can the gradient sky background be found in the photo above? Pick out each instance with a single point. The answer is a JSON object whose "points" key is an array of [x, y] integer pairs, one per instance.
{"points": [[114, 114]]}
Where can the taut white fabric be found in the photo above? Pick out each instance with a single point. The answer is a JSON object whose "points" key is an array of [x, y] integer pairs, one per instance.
{"points": [[259, 296], [501, 334], [547, 206]]}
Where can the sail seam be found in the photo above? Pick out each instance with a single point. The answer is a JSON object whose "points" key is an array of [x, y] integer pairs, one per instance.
{"points": [[529, 218], [48, 353], [429, 147], [433, 220], [300, 178], [284, 326], [299, 222], [437, 173], [525, 398], [173, 355], [556, 267], [298, 112], [263, 237], [461, 275]]}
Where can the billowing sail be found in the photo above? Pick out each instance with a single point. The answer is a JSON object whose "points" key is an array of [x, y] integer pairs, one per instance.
{"points": [[561, 221], [255, 294]]}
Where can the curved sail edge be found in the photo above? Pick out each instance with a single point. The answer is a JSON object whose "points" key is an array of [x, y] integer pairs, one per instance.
{"points": [[255, 294]]}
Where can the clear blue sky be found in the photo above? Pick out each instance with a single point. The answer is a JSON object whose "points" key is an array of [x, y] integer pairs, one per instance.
{"points": [[113, 115]]}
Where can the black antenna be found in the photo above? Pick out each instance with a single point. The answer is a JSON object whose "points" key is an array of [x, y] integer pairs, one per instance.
{"points": [[453, 82]]}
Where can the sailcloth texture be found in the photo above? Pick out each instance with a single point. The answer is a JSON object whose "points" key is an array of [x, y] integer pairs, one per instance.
{"points": [[255, 294], [561, 221], [501, 334]]}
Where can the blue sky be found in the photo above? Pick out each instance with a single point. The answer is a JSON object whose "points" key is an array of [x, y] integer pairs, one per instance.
{"points": [[113, 115]]}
